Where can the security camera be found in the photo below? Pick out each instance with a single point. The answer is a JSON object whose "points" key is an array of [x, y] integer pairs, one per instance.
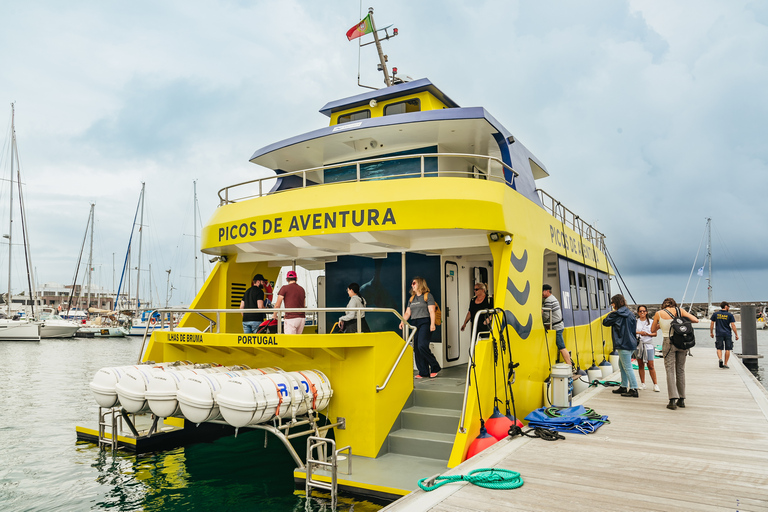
{"points": [[507, 239]]}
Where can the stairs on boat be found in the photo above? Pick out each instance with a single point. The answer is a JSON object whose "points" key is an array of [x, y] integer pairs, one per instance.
{"points": [[427, 425]]}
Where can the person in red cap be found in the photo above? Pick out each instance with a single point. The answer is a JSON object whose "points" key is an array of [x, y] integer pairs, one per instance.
{"points": [[253, 299], [294, 296]]}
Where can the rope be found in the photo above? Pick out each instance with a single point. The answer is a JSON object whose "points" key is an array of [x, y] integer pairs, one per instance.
{"points": [[541, 433], [490, 478]]}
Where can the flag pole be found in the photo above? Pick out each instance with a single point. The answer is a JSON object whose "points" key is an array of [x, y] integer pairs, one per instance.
{"points": [[382, 57]]}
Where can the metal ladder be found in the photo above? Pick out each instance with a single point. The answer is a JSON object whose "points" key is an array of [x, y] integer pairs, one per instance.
{"points": [[113, 420], [319, 445]]}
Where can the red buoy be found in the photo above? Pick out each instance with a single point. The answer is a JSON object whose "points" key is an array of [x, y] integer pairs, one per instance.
{"points": [[481, 442], [498, 424]]}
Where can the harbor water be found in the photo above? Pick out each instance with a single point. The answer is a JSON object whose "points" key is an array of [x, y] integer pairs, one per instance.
{"points": [[45, 395]]}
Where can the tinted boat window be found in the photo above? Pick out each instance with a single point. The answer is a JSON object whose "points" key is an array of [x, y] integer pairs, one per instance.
{"points": [[354, 116], [403, 107], [391, 169], [574, 291], [583, 291]]}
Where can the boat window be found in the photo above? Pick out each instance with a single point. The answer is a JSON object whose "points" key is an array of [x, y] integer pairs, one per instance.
{"points": [[403, 107], [592, 293], [601, 293], [583, 291], [354, 116], [401, 168], [574, 290]]}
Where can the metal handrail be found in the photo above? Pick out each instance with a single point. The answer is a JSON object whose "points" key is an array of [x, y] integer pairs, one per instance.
{"points": [[472, 345], [224, 199], [569, 218], [408, 340]]}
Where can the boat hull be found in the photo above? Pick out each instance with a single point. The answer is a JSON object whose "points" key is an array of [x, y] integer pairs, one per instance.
{"points": [[12, 330]]}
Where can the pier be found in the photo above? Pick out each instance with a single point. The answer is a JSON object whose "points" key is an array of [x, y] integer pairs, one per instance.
{"points": [[711, 455]]}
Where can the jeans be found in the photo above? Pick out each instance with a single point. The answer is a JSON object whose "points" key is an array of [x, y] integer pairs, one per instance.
{"points": [[426, 362], [251, 327], [674, 364], [628, 380]]}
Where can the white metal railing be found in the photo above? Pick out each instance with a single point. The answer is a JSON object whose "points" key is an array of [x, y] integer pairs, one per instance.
{"points": [[570, 219], [224, 193], [472, 345], [408, 331]]}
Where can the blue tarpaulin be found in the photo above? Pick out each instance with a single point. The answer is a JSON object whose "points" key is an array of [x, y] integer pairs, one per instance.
{"points": [[578, 419]]}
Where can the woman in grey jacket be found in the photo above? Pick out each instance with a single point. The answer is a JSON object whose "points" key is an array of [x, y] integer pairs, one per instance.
{"points": [[623, 327], [348, 322]]}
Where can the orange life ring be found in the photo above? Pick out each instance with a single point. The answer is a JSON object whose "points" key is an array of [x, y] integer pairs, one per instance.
{"points": [[153, 320]]}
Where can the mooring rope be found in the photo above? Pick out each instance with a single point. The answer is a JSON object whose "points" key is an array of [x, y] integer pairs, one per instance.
{"points": [[490, 478]]}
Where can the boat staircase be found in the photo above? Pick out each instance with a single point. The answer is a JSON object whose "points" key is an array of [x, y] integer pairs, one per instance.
{"points": [[427, 424], [418, 445]]}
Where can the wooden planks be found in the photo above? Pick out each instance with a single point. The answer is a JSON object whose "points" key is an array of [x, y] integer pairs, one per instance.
{"points": [[710, 456]]}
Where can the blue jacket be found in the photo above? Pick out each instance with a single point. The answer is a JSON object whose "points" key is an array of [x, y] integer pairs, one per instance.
{"points": [[623, 327]]}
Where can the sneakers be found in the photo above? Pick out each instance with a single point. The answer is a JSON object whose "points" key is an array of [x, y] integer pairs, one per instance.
{"points": [[721, 364], [433, 375], [725, 366], [619, 391], [656, 388], [631, 392], [642, 385]]}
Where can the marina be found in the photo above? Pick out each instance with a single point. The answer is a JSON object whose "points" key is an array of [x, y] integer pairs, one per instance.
{"points": [[362, 328]]}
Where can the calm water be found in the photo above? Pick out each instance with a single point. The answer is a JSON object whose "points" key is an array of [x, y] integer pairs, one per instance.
{"points": [[45, 395]]}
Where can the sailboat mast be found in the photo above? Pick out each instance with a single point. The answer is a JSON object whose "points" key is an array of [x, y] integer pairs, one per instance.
{"points": [[10, 221], [141, 233], [194, 230], [90, 259], [709, 258]]}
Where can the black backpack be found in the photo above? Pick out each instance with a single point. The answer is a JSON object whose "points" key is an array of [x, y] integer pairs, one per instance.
{"points": [[681, 331]]}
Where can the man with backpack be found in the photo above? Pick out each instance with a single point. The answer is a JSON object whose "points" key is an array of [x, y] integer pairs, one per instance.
{"points": [[721, 324]]}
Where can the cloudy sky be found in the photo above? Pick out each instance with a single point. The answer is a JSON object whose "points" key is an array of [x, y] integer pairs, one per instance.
{"points": [[650, 116]]}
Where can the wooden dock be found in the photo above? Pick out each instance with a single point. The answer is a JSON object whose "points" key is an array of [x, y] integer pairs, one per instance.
{"points": [[711, 455]]}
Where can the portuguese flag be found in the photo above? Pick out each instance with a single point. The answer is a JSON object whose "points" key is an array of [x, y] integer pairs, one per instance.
{"points": [[362, 28]]}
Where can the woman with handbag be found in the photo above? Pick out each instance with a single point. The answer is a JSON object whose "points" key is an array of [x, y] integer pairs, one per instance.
{"points": [[348, 322], [421, 310], [645, 349], [674, 358]]}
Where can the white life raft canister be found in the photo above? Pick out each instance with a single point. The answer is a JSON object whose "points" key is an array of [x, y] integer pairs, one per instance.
{"points": [[197, 394], [104, 382], [163, 386], [132, 387], [254, 399]]}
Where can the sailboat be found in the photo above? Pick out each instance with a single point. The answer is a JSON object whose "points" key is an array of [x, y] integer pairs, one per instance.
{"points": [[105, 323], [11, 328]]}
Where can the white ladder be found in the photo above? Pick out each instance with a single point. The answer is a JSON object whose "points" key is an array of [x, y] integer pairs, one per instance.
{"points": [[112, 420], [318, 447]]}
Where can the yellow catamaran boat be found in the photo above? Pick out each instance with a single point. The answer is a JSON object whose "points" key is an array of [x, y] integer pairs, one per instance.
{"points": [[403, 182]]}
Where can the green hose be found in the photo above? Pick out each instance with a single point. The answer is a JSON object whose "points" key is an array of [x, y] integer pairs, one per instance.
{"points": [[486, 477]]}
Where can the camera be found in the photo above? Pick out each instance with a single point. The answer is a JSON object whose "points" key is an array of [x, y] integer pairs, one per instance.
{"points": [[507, 239]]}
